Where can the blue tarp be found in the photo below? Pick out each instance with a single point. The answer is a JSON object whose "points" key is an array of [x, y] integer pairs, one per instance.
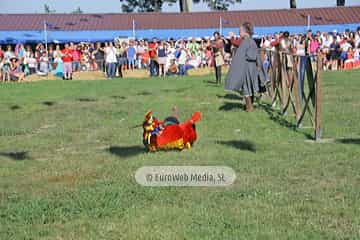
{"points": [[109, 35]]}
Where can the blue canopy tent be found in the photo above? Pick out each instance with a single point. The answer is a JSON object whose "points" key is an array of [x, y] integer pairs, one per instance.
{"points": [[13, 37]]}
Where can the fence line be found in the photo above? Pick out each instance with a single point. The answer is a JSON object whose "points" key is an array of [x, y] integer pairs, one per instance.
{"points": [[287, 90]]}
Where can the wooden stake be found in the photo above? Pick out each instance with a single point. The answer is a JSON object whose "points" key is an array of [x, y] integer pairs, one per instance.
{"points": [[318, 99]]}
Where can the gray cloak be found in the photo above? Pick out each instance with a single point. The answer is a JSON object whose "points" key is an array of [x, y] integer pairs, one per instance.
{"points": [[246, 74]]}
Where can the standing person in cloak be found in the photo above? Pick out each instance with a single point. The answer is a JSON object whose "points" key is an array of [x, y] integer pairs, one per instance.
{"points": [[218, 49], [246, 74]]}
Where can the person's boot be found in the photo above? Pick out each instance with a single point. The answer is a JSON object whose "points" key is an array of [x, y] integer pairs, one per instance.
{"points": [[249, 106]]}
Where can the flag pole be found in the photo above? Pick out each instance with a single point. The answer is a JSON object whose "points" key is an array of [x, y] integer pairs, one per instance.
{"points": [[220, 26], [308, 22], [133, 23], [46, 37]]}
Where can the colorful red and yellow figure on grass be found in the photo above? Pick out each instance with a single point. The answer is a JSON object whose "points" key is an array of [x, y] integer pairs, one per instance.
{"points": [[170, 133]]}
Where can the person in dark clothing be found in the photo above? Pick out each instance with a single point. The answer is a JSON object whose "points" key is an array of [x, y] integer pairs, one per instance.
{"points": [[218, 49], [121, 55], [334, 54], [246, 74], [99, 56]]}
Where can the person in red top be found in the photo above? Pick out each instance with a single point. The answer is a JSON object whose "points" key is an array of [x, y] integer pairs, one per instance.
{"points": [[1, 53], [218, 53], [154, 66], [235, 42], [76, 54], [67, 59]]}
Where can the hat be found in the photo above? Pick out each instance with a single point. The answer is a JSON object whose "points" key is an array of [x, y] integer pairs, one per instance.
{"points": [[148, 115], [13, 57]]}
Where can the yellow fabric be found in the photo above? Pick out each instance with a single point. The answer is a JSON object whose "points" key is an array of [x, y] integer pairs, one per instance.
{"points": [[179, 144]]}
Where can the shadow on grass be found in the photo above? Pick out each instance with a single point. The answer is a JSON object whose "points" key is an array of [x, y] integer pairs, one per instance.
{"points": [[118, 97], [144, 93], [229, 106], [16, 156], [230, 96], [87, 99], [239, 144], [349, 141], [278, 118], [15, 107], [210, 82], [49, 103], [176, 90], [128, 151]]}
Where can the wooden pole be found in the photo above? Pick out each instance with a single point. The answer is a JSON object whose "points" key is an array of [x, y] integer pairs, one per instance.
{"points": [[318, 98], [295, 60], [284, 76]]}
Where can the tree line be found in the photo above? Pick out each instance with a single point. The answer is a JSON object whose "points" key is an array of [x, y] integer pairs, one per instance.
{"points": [[184, 5]]}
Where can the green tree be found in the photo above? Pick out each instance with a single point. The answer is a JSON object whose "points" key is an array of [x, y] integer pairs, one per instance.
{"points": [[77, 11], [47, 9], [141, 5], [157, 5], [339, 3], [218, 5], [292, 3]]}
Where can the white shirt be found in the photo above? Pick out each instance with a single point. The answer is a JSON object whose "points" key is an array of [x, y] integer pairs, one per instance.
{"points": [[140, 49], [357, 54], [110, 54], [31, 62], [357, 40], [266, 44], [345, 47], [183, 57], [327, 43]]}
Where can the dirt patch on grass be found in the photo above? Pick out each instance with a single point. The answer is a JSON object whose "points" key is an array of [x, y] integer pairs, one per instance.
{"points": [[138, 73], [206, 71], [91, 75], [70, 179]]}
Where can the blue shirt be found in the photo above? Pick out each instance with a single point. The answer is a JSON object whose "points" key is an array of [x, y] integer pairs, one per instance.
{"points": [[131, 52]]}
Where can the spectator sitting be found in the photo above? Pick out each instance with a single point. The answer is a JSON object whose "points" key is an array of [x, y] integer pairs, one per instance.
{"points": [[15, 72], [348, 64], [173, 68], [345, 47], [193, 62]]}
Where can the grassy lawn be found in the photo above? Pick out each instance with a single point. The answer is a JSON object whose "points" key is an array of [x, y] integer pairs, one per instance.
{"points": [[68, 155]]}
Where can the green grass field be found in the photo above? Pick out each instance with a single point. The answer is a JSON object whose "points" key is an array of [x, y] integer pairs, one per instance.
{"points": [[68, 155]]}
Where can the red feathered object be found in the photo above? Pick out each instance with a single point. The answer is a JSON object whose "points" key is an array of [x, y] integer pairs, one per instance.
{"points": [[170, 133]]}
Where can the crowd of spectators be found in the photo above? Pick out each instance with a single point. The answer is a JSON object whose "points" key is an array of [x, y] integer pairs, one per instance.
{"points": [[170, 57], [339, 50]]}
